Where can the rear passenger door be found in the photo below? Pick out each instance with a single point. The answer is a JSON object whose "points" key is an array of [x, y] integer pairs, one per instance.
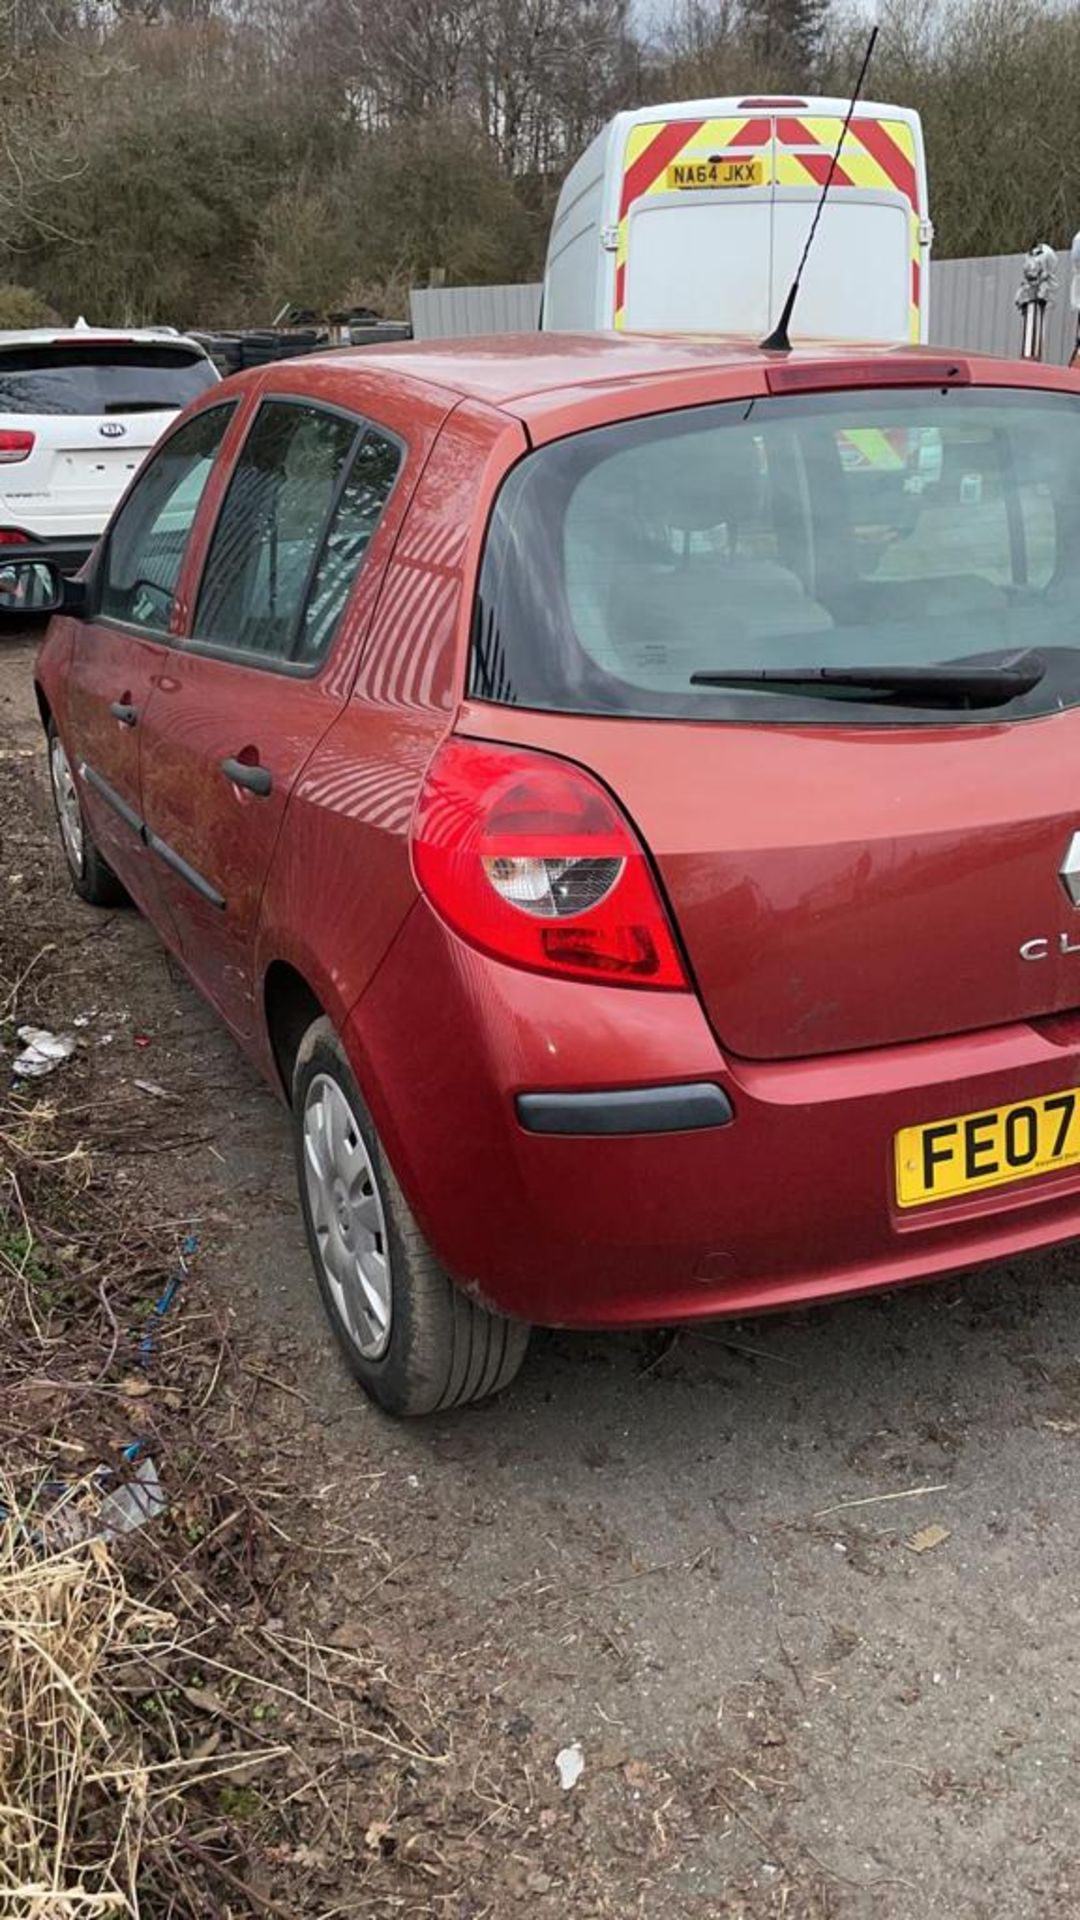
{"points": [[267, 667]]}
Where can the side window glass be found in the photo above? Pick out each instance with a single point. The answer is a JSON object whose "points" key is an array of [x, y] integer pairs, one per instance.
{"points": [[357, 514], [271, 528], [147, 538]]}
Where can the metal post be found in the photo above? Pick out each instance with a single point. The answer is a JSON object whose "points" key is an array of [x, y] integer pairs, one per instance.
{"points": [[1037, 289], [1075, 296]]}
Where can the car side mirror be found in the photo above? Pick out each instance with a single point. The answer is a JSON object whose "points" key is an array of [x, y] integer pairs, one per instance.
{"points": [[38, 586]]}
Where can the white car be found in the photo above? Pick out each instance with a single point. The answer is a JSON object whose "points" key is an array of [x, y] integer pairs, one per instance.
{"points": [[80, 408]]}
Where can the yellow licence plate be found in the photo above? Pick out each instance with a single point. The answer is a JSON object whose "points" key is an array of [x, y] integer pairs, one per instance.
{"points": [[715, 173], [987, 1149]]}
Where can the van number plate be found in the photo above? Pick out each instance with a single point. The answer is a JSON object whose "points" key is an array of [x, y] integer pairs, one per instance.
{"points": [[988, 1149], [687, 174]]}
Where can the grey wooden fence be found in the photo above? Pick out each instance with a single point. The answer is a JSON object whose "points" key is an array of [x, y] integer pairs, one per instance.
{"points": [[972, 305], [446, 313]]}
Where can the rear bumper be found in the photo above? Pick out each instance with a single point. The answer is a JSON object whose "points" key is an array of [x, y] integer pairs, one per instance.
{"points": [[791, 1201]]}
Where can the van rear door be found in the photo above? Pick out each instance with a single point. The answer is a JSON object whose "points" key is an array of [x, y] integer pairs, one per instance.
{"points": [[858, 276], [871, 239], [695, 234], [714, 213], [701, 265]]}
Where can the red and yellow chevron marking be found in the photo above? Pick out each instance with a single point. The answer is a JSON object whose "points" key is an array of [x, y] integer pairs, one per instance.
{"points": [[877, 154]]}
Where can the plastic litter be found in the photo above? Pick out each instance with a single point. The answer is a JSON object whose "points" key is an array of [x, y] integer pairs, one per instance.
{"points": [[42, 1052], [570, 1765], [189, 1247], [140, 1499], [122, 1508]]}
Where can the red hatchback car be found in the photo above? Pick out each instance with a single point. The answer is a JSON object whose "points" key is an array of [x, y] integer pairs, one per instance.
{"points": [[624, 793]]}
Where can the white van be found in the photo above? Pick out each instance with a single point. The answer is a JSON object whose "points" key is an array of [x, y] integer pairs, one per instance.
{"points": [[692, 218]]}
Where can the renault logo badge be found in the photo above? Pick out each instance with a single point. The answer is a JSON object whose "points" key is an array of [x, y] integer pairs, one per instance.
{"points": [[1070, 870]]}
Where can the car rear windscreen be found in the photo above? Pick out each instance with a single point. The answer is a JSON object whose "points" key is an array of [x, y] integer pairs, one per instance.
{"points": [[100, 378], [881, 529]]}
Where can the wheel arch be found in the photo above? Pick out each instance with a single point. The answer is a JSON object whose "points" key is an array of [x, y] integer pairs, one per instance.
{"points": [[290, 1005]]}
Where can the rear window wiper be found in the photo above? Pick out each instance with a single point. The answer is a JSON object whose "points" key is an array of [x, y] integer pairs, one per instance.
{"points": [[955, 685]]}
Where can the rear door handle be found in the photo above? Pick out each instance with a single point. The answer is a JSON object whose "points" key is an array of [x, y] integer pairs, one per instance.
{"points": [[256, 779], [121, 711]]}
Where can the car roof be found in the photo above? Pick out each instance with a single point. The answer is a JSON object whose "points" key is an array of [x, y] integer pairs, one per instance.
{"points": [[506, 368], [532, 374], [82, 334]]}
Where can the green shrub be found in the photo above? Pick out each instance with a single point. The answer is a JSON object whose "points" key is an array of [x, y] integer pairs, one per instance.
{"points": [[23, 307]]}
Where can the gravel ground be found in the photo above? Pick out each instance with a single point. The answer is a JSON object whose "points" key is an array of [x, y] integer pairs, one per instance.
{"points": [[695, 1554]]}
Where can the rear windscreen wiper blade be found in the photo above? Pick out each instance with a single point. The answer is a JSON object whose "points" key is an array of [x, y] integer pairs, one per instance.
{"points": [[960, 685]]}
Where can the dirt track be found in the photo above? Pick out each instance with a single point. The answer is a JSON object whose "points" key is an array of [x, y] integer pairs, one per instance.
{"points": [[681, 1552]]}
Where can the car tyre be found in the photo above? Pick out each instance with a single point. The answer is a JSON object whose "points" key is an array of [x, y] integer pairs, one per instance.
{"points": [[91, 875], [414, 1340]]}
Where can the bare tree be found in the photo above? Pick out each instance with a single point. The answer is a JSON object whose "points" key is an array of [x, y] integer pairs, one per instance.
{"points": [[38, 89], [546, 74]]}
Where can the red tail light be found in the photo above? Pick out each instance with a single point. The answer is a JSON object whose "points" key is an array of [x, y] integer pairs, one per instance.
{"points": [[13, 537], [15, 444], [530, 859]]}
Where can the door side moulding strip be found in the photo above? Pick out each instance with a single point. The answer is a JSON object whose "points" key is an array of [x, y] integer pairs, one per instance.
{"points": [[112, 799], [179, 865], [162, 848]]}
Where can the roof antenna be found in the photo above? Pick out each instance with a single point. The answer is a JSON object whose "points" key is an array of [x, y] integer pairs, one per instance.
{"points": [[778, 341]]}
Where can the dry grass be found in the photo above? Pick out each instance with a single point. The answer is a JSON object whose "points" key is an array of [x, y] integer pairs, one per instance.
{"points": [[103, 1756], [104, 1810], [171, 1747], [76, 1794]]}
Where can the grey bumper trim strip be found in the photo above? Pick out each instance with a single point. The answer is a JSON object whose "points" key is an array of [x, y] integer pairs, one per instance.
{"points": [[677, 1109]]}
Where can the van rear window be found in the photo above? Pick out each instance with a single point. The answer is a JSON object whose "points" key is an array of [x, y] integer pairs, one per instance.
{"points": [[881, 529], [101, 378]]}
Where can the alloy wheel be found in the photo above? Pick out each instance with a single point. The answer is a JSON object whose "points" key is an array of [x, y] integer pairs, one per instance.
{"points": [[347, 1216], [68, 810]]}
